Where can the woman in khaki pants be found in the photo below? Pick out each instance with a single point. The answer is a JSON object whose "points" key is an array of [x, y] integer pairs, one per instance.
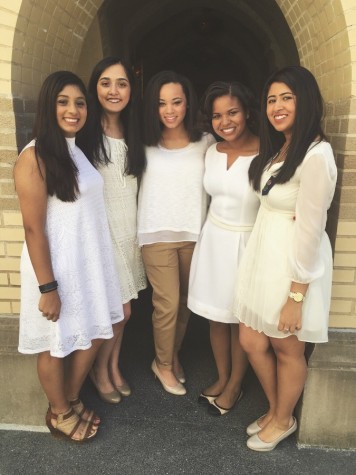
{"points": [[171, 210]]}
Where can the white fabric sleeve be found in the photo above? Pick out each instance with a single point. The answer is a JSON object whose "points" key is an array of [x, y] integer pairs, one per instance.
{"points": [[317, 185]]}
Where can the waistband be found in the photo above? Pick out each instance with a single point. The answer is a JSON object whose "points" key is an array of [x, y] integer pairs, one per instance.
{"points": [[283, 212], [230, 227]]}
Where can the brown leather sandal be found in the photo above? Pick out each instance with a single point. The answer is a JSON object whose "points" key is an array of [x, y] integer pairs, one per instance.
{"points": [[68, 424], [84, 413]]}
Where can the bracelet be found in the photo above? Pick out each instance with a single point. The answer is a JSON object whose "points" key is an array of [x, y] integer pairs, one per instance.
{"points": [[45, 288]]}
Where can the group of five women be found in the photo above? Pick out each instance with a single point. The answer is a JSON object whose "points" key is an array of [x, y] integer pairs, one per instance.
{"points": [[228, 223]]}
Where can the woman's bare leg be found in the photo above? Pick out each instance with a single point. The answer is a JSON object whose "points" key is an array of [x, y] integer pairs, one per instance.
{"points": [[291, 376], [114, 367], [101, 363], [263, 360], [220, 340], [239, 363], [51, 375], [79, 366]]}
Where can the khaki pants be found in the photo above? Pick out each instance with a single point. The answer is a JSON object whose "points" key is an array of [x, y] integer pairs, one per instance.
{"points": [[167, 266]]}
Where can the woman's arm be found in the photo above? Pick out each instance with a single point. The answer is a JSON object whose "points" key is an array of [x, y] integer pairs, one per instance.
{"points": [[32, 192], [317, 185]]}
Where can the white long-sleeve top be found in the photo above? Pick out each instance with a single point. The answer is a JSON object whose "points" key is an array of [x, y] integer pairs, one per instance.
{"points": [[317, 177], [172, 202], [306, 197]]}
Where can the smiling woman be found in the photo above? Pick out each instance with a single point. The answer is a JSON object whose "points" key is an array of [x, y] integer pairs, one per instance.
{"points": [[283, 292], [281, 107], [171, 211], [63, 309], [71, 110], [113, 89], [172, 105], [233, 111], [112, 139]]}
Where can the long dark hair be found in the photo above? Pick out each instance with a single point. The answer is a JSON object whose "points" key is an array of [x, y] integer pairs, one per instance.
{"points": [[233, 89], [152, 126], [51, 147], [306, 128], [91, 138]]}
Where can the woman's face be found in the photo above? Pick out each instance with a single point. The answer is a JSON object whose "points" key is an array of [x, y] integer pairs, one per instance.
{"points": [[228, 118], [71, 110], [281, 107], [172, 105], [113, 89]]}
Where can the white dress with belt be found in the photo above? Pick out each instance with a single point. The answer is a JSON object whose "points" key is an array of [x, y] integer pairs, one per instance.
{"points": [[223, 239]]}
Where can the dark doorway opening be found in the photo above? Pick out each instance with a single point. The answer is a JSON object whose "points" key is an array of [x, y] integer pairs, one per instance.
{"points": [[205, 40]]}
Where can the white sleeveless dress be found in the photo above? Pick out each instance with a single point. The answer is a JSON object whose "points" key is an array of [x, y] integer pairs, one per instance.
{"points": [[288, 243], [223, 239], [83, 264], [120, 195]]}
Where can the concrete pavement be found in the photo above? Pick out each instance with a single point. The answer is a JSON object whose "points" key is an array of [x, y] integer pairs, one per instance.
{"points": [[153, 432]]}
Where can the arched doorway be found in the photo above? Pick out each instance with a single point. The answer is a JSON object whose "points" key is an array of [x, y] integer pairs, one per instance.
{"points": [[206, 41]]}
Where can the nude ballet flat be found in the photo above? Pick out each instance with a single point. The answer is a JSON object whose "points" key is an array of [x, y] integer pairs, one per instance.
{"points": [[178, 389], [113, 397], [255, 443], [180, 376], [254, 428], [124, 389]]}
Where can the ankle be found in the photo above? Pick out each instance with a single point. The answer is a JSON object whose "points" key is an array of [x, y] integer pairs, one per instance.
{"points": [[165, 369], [56, 410], [215, 388]]}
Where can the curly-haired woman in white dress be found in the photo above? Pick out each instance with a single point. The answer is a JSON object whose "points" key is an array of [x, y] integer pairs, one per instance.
{"points": [[233, 113], [284, 285]]}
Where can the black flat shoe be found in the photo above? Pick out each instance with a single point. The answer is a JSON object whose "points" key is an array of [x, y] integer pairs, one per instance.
{"points": [[215, 410], [205, 399]]}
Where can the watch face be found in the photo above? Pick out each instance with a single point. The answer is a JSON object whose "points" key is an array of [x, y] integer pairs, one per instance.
{"points": [[296, 296]]}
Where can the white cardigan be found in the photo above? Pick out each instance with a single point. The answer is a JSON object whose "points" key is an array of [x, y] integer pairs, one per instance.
{"points": [[172, 203]]}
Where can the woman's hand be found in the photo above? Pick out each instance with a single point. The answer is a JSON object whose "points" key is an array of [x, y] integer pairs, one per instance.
{"points": [[50, 305], [290, 318]]}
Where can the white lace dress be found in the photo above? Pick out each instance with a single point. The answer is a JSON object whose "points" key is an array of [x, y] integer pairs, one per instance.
{"points": [[120, 194], [82, 261], [288, 243], [223, 239]]}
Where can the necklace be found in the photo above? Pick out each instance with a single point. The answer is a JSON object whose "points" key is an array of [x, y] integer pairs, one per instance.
{"points": [[280, 155]]}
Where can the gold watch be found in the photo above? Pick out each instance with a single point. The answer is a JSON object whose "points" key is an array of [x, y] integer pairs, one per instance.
{"points": [[296, 296]]}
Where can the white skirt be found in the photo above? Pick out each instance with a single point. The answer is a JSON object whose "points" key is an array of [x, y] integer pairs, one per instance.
{"points": [[213, 271], [264, 280]]}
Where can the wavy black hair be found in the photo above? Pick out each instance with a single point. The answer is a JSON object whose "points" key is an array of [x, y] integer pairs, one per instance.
{"points": [[307, 126]]}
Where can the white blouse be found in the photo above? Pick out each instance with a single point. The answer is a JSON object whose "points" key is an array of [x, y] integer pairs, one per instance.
{"points": [[172, 201], [307, 196]]}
